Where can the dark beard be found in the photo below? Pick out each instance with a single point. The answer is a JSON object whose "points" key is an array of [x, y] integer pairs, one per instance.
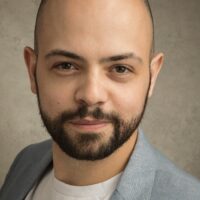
{"points": [[90, 146]]}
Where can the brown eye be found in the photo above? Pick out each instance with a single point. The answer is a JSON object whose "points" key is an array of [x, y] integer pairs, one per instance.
{"points": [[121, 69], [65, 66]]}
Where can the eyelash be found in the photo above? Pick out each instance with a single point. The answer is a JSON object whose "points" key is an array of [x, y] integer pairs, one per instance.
{"points": [[126, 68], [57, 66]]}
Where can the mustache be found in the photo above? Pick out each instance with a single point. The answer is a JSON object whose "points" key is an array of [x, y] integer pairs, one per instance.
{"points": [[83, 112]]}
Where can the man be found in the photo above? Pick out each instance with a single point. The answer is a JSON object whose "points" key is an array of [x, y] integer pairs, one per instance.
{"points": [[93, 69]]}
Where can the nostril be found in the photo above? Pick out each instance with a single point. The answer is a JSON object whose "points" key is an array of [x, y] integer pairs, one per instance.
{"points": [[82, 102]]}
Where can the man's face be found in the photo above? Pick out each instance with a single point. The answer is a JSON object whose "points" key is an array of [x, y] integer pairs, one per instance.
{"points": [[92, 75]]}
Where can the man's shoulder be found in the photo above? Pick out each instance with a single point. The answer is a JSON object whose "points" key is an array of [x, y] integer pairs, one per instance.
{"points": [[33, 153], [26, 169], [36, 150], [172, 182], [150, 175]]}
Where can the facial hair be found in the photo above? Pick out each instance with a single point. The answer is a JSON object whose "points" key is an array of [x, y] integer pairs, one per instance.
{"points": [[90, 146]]}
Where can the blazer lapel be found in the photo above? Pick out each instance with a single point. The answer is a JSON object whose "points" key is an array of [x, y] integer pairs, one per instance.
{"points": [[137, 180]]}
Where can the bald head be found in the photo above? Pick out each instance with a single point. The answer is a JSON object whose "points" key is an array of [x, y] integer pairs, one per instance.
{"points": [[41, 12]]}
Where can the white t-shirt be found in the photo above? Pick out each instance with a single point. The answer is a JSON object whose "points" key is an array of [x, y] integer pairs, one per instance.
{"points": [[51, 188]]}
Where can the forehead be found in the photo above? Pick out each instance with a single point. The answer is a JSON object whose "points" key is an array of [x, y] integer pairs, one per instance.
{"points": [[114, 22]]}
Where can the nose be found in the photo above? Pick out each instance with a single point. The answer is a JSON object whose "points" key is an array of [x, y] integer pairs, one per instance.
{"points": [[91, 90]]}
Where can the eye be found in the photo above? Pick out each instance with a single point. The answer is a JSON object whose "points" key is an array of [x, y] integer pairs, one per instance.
{"points": [[65, 66], [121, 69]]}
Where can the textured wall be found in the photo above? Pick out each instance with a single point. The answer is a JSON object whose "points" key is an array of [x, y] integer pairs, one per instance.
{"points": [[173, 116]]}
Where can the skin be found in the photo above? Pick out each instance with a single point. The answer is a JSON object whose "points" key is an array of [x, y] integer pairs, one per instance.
{"points": [[94, 30]]}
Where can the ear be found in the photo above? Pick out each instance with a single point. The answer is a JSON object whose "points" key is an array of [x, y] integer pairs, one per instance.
{"points": [[30, 60], [156, 65]]}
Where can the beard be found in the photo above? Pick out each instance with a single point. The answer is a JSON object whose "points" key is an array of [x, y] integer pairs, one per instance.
{"points": [[90, 146]]}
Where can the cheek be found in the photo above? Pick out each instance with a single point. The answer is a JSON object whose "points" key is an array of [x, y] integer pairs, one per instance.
{"points": [[55, 97], [130, 101], [53, 101]]}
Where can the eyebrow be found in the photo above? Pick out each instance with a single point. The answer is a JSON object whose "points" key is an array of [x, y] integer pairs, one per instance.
{"points": [[122, 57], [68, 54]]}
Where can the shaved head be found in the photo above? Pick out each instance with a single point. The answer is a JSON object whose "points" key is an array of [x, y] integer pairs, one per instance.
{"points": [[93, 70], [41, 11]]}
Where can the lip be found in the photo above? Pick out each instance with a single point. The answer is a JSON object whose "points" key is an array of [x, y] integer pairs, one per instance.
{"points": [[88, 125]]}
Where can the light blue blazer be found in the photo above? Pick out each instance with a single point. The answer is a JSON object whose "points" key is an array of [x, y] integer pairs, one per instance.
{"points": [[147, 176]]}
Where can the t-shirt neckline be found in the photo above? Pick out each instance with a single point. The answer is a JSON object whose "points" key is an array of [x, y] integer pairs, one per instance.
{"points": [[99, 189]]}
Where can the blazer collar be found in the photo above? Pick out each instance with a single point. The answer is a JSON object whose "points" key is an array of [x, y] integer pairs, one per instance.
{"points": [[138, 177]]}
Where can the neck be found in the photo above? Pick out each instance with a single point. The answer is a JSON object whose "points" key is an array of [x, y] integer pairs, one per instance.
{"points": [[80, 173]]}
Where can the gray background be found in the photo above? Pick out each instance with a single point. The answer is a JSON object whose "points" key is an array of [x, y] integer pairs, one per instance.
{"points": [[173, 115]]}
